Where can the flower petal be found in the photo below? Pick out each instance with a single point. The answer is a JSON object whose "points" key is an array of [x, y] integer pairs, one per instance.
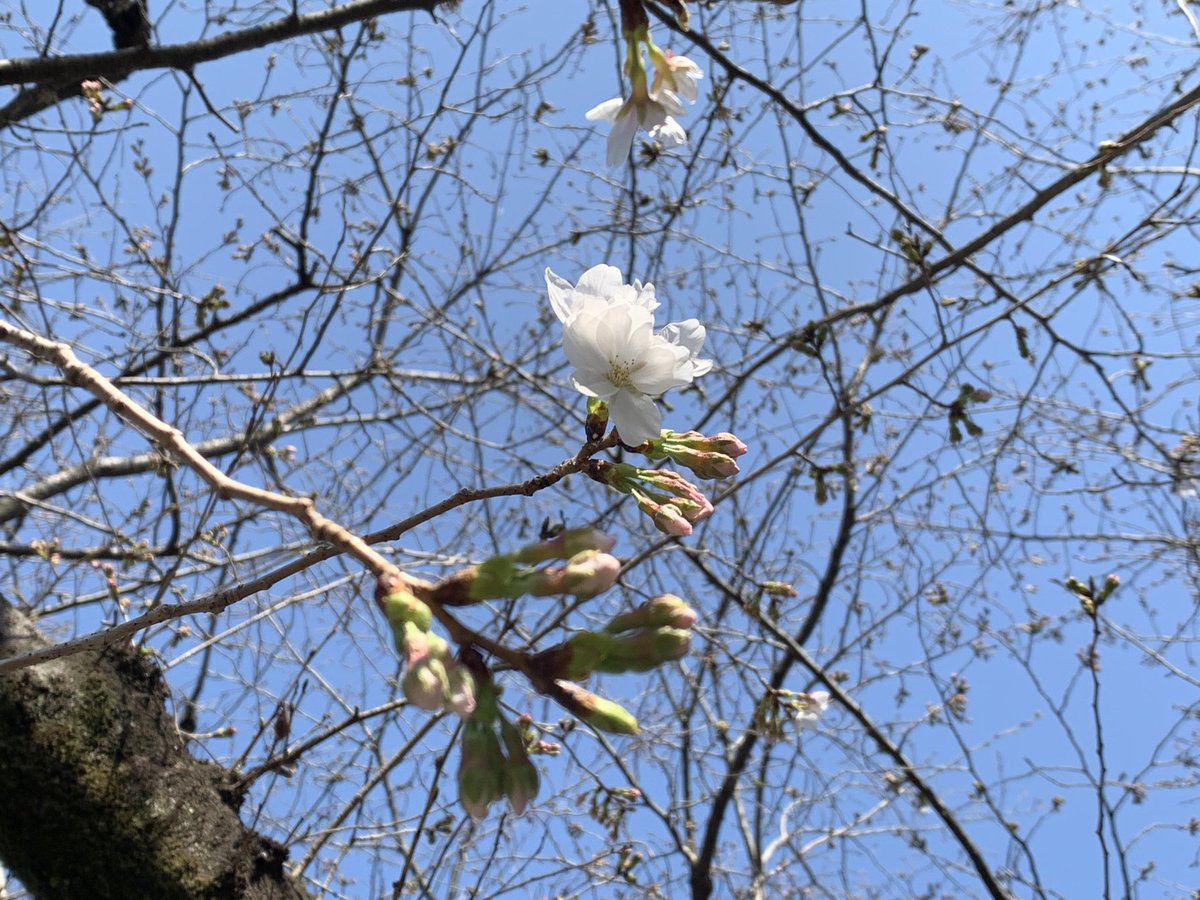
{"points": [[600, 281], [580, 344], [559, 290], [599, 387], [606, 111], [689, 334], [635, 416], [668, 103], [620, 139], [661, 369], [645, 295], [670, 133]]}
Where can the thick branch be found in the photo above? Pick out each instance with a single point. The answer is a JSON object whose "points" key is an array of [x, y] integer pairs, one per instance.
{"points": [[186, 56]]}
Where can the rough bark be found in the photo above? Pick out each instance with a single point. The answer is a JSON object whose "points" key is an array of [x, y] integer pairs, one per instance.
{"points": [[101, 797]]}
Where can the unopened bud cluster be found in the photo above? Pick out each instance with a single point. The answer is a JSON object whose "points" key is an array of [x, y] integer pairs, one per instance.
{"points": [[672, 502], [589, 568], [707, 457], [656, 632], [494, 761], [432, 679], [1089, 596]]}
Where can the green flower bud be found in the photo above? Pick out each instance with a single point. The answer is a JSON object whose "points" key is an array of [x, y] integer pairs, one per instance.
{"points": [[588, 650], [665, 609], [601, 714], [645, 649], [521, 778], [480, 768], [403, 606]]}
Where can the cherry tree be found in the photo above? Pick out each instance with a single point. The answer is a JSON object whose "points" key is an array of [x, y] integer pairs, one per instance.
{"points": [[743, 448]]}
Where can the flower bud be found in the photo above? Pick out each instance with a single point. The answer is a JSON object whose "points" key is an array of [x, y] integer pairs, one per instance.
{"points": [[601, 714], [596, 422], [493, 579], [644, 649], [706, 464], [707, 457], [621, 477], [402, 606], [666, 518], [480, 768], [671, 487], [1111, 583], [425, 684], [587, 651], [726, 443], [778, 589], [438, 648], [665, 609], [411, 642], [521, 778], [566, 544], [590, 573], [460, 690]]}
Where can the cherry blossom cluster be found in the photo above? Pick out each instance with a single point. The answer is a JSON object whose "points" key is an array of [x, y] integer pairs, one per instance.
{"points": [[652, 106]]}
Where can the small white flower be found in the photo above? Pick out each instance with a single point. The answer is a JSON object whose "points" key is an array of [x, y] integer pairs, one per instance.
{"points": [[677, 74], [655, 114], [809, 708], [608, 336]]}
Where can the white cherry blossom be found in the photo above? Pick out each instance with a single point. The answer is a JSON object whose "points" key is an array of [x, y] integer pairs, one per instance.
{"points": [[609, 337], [809, 709], [677, 74], [653, 113]]}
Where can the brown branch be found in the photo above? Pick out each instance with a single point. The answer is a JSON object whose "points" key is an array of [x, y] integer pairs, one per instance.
{"points": [[171, 439], [186, 56]]}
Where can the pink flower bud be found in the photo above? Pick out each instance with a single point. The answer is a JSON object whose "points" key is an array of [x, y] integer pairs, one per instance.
{"points": [[412, 642], [460, 694], [663, 610], [725, 443], [706, 464], [671, 487], [590, 573], [708, 457], [425, 685], [567, 544], [666, 518]]}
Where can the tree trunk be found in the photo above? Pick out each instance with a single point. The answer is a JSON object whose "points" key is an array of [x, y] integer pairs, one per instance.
{"points": [[101, 797]]}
